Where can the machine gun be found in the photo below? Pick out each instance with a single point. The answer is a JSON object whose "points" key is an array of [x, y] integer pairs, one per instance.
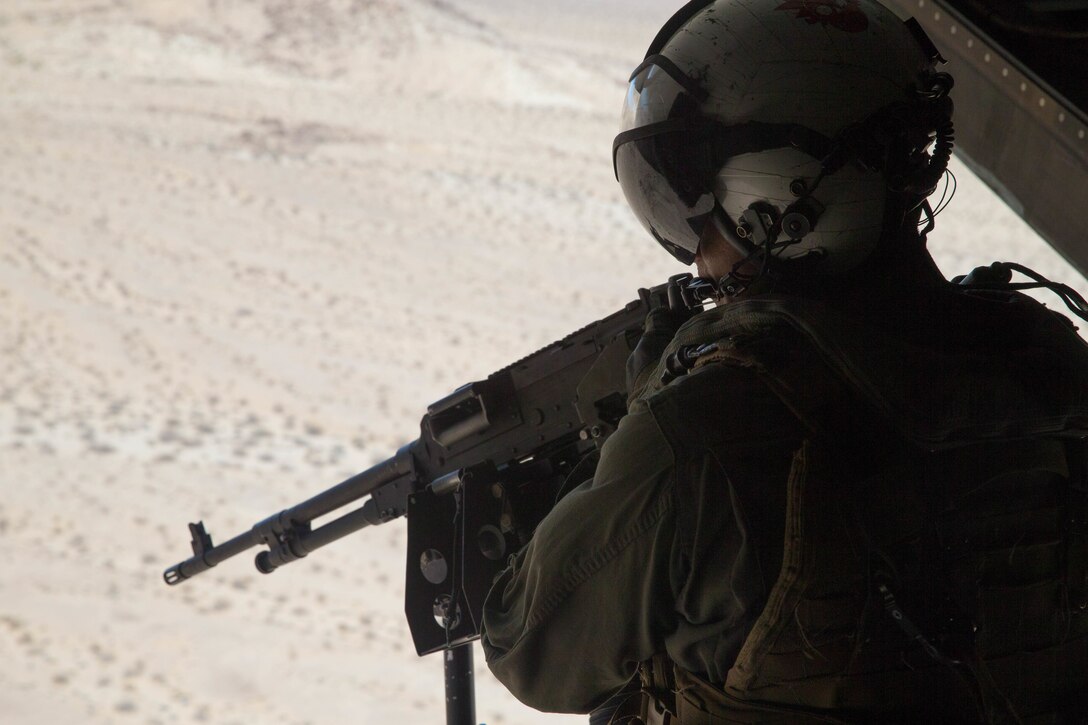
{"points": [[490, 461]]}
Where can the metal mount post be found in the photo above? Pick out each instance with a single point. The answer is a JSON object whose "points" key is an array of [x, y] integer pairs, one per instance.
{"points": [[460, 685]]}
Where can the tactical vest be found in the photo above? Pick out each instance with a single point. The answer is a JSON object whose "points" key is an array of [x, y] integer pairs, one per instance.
{"points": [[936, 544]]}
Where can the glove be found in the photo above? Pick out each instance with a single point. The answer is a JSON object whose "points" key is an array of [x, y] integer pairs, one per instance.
{"points": [[661, 325]]}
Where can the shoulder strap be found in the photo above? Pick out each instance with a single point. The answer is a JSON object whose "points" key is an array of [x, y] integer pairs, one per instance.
{"points": [[1076, 553]]}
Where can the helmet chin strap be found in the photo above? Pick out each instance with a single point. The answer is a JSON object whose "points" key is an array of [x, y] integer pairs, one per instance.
{"points": [[761, 230], [756, 237], [756, 247], [700, 290]]}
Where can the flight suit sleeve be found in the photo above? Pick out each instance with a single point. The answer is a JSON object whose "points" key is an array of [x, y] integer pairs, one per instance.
{"points": [[592, 594]]}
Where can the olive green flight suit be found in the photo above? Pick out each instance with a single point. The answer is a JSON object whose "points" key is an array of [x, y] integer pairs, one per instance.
{"points": [[770, 519]]}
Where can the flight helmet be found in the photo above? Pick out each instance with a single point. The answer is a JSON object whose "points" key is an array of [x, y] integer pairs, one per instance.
{"points": [[794, 126]]}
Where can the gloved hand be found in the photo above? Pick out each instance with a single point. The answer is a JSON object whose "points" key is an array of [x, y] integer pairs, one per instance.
{"points": [[661, 325]]}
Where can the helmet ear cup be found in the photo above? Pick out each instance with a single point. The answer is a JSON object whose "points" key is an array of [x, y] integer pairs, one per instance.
{"points": [[800, 218]]}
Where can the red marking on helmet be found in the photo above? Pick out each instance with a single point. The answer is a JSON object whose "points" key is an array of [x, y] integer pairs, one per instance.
{"points": [[845, 15]]}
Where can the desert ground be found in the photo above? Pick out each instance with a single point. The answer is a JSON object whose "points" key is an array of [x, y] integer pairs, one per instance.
{"points": [[242, 246]]}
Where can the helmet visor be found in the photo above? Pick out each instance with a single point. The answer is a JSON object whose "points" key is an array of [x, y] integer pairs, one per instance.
{"points": [[659, 90], [673, 214], [659, 161]]}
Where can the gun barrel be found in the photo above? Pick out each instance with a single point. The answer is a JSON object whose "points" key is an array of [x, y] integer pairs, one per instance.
{"points": [[205, 559], [288, 551], [290, 527], [361, 484]]}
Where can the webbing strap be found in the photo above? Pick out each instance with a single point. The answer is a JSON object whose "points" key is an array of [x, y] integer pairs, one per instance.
{"points": [[659, 690], [1077, 521], [700, 703]]}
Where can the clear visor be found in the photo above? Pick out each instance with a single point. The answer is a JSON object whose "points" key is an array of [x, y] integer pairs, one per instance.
{"points": [[651, 97], [657, 161]]}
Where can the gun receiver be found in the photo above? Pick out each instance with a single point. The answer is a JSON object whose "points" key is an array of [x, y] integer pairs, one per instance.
{"points": [[489, 463]]}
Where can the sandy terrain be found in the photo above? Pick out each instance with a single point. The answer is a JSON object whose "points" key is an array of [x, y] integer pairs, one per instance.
{"points": [[242, 246]]}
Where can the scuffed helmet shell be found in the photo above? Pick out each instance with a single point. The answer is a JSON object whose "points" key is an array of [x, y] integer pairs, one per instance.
{"points": [[825, 65], [788, 62]]}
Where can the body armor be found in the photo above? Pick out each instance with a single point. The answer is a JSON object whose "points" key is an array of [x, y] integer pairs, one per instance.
{"points": [[934, 563]]}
